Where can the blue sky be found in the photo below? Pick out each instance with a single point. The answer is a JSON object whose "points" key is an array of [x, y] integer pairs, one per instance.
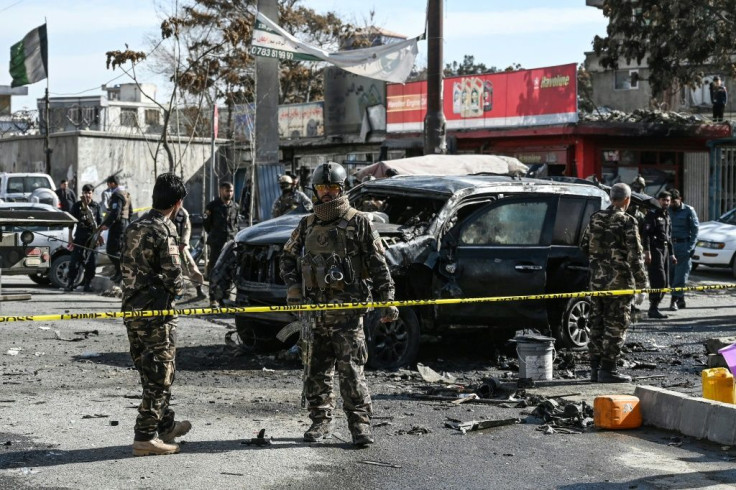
{"points": [[498, 33]]}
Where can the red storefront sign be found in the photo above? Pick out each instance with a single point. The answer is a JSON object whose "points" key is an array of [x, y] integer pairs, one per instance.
{"points": [[534, 97]]}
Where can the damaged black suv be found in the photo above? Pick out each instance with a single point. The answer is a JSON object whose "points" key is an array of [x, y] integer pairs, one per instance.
{"points": [[445, 237]]}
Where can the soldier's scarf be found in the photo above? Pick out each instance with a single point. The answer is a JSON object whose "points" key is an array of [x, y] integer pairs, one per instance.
{"points": [[332, 210]]}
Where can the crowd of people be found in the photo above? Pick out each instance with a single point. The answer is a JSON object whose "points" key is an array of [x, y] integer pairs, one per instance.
{"points": [[626, 249]]}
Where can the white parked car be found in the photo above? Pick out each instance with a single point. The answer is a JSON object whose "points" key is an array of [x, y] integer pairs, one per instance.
{"points": [[716, 246]]}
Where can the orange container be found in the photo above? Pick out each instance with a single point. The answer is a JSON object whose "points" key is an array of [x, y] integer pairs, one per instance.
{"points": [[616, 412], [718, 384]]}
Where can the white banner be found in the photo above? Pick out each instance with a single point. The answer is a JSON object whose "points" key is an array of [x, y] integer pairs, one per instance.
{"points": [[391, 62]]}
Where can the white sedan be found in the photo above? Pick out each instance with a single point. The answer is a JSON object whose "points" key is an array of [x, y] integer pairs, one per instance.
{"points": [[716, 244]]}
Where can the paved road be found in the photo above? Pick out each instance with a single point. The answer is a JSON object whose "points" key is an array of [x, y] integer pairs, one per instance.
{"points": [[67, 408]]}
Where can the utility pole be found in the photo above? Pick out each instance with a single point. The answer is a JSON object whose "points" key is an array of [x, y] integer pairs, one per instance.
{"points": [[267, 104], [434, 121]]}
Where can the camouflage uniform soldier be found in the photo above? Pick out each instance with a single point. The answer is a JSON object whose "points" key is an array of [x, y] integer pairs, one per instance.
{"points": [[614, 249], [117, 219], [330, 257], [152, 277], [290, 198]]}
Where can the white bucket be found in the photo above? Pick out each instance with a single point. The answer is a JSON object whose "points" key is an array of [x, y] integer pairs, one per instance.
{"points": [[535, 359]]}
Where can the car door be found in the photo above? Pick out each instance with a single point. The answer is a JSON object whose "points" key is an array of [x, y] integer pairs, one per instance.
{"points": [[567, 268], [499, 250]]}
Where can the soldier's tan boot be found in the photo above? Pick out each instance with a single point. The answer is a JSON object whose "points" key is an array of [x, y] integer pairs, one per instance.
{"points": [[319, 430], [177, 430], [154, 447], [362, 436]]}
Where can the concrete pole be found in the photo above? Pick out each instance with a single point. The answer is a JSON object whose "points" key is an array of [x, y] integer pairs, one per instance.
{"points": [[434, 121], [267, 103]]}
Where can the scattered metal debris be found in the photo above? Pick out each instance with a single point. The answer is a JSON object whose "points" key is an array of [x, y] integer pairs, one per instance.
{"points": [[380, 463], [563, 415], [475, 425], [415, 430], [95, 416], [259, 440]]}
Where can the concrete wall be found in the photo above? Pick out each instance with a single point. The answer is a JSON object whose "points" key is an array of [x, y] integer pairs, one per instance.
{"points": [[91, 156]]}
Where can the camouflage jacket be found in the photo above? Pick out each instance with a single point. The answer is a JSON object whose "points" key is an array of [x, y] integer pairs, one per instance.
{"points": [[614, 249], [150, 263], [348, 243], [288, 201]]}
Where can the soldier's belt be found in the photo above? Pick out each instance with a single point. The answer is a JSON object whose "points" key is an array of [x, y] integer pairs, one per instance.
{"points": [[351, 305]]}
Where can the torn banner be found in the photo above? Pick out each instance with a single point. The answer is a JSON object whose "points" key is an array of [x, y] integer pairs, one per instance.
{"points": [[391, 62]]}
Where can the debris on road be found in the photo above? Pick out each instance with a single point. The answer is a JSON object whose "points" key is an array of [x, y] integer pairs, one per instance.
{"points": [[95, 416], [84, 335], [431, 376], [563, 415], [259, 440], [415, 430], [14, 351], [475, 425], [380, 463]]}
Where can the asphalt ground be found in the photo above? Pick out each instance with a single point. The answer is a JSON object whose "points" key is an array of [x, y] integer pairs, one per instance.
{"points": [[68, 403]]}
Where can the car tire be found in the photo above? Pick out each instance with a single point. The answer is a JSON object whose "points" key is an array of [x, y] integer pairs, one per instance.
{"points": [[392, 345], [59, 272], [257, 337], [40, 278], [573, 331]]}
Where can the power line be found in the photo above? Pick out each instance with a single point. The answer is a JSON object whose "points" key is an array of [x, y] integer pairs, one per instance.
{"points": [[11, 5]]}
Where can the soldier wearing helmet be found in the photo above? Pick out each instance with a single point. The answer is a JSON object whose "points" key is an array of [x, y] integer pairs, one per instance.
{"points": [[335, 256], [290, 198]]}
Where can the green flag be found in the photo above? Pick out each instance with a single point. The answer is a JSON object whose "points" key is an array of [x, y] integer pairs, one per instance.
{"points": [[29, 58]]}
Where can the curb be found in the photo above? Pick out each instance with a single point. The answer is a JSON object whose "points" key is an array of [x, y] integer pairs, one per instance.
{"points": [[692, 416]]}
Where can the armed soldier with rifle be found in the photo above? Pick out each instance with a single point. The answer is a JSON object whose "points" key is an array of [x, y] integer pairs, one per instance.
{"points": [[335, 256], [86, 238]]}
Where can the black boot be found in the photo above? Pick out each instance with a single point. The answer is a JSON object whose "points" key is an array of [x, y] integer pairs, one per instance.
{"points": [[673, 305], [655, 313], [608, 373], [595, 364]]}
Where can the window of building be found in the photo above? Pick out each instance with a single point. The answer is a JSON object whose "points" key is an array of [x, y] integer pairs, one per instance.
{"points": [[129, 117], [626, 80], [153, 117]]}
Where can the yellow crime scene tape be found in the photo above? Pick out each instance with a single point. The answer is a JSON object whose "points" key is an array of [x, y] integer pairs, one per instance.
{"points": [[348, 306]]}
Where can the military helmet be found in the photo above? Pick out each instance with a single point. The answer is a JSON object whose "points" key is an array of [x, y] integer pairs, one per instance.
{"points": [[285, 181], [329, 173]]}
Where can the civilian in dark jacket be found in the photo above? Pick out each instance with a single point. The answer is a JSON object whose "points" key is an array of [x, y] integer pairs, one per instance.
{"points": [[67, 198]]}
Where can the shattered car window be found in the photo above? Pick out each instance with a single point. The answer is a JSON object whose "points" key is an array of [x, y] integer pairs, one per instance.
{"points": [[518, 223], [400, 210]]}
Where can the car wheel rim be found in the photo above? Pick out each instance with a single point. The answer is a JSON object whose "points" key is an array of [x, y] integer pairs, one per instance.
{"points": [[577, 323], [391, 341]]}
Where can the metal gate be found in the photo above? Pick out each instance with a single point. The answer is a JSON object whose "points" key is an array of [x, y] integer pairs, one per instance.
{"points": [[722, 180], [695, 182]]}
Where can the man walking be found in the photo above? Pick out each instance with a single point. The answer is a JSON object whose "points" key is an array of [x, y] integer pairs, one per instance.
{"points": [[614, 249], [152, 278], [66, 196], [290, 198], [335, 256], [221, 224], [657, 242], [116, 220], [685, 226], [88, 216]]}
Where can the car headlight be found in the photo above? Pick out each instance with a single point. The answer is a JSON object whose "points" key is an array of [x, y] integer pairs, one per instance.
{"points": [[706, 244]]}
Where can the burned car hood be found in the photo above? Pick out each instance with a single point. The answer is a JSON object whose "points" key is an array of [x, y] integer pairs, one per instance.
{"points": [[273, 231]]}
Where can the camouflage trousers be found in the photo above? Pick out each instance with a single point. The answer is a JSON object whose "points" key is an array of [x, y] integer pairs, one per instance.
{"points": [[153, 349], [342, 346], [609, 320]]}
